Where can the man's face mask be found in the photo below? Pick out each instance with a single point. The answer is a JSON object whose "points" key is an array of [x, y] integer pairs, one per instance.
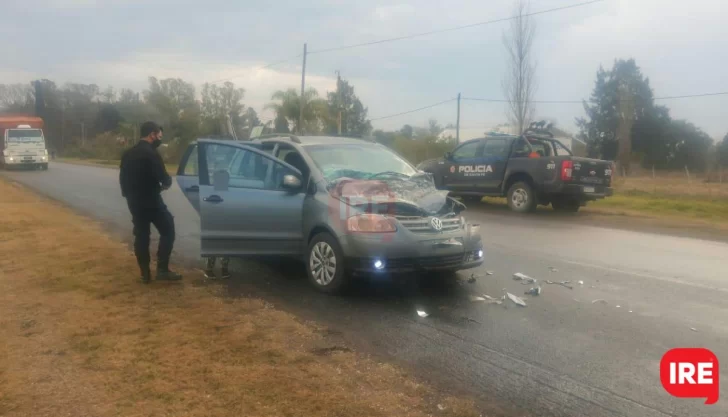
{"points": [[157, 140]]}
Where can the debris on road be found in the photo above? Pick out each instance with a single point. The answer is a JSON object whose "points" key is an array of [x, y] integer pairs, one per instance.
{"points": [[599, 301], [471, 280], [694, 329], [630, 311], [619, 306], [422, 314], [475, 298], [525, 278], [516, 299], [492, 300], [469, 319], [562, 283], [580, 282], [533, 291], [552, 269], [488, 272]]}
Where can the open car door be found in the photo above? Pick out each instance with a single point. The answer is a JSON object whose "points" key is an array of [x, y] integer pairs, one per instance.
{"points": [[250, 203]]}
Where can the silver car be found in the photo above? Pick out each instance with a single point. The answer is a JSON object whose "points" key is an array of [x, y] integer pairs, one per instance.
{"points": [[347, 206]]}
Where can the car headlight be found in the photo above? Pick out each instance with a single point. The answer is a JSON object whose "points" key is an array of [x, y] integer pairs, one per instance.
{"points": [[370, 223]]}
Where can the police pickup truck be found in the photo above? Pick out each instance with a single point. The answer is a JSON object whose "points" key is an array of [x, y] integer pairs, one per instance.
{"points": [[530, 169]]}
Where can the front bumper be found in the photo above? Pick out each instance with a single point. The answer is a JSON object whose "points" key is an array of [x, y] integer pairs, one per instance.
{"points": [[25, 160], [405, 251]]}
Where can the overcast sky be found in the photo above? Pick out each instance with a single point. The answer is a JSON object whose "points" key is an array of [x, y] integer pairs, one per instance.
{"points": [[681, 45]]}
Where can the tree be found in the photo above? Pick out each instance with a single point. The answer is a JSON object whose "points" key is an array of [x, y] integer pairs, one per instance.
{"points": [[408, 131], [175, 101], [519, 84], [287, 106], [354, 120], [16, 98], [219, 103], [722, 149]]}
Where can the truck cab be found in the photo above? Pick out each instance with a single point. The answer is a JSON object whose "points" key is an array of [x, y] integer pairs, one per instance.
{"points": [[23, 144]]}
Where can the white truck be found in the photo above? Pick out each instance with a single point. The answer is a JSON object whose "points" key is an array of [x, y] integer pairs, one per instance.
{"points": [[23, 143]]}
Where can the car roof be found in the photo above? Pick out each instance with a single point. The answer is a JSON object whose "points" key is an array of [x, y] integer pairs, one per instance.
{"points": [[313, 140]]}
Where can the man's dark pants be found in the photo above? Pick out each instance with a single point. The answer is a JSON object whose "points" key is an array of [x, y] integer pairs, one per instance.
{"points": [[143, 216]]}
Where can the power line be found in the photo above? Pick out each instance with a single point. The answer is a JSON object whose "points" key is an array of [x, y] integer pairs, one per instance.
{"points": [[492, 100], [415, 35], [272, 64], [414, 110]]}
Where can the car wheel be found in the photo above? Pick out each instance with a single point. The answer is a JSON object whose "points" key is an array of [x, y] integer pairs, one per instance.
{"points": [[325, 264], [566, 205], [521, 198]]}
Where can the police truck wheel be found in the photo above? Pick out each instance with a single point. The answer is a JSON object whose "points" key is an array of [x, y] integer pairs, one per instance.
{"points": [[325, 265], [521, 198]]}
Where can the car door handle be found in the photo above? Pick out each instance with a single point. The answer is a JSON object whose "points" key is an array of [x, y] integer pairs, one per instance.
{"points": [[213, 199], [193, 189]]}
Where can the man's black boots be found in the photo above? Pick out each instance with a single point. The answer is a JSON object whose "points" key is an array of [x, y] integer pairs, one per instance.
{"points": [[164, 274]]}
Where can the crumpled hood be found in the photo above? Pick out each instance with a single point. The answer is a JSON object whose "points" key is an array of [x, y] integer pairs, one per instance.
{"points": [[417, 192]]}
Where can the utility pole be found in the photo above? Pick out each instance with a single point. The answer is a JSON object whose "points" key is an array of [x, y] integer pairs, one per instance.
{"points": [[457, 124], [338, 93], [626, 121], [83, 135], [303, 87]]}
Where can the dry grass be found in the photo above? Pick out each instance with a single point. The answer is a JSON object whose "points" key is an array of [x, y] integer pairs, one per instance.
{"points": [[80, 337]]}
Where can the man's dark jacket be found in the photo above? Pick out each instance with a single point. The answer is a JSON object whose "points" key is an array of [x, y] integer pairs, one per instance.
{"points": [[143, 176]]}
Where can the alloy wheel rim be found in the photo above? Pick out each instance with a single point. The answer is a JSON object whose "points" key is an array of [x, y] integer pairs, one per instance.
{"points": [[322, 263]]}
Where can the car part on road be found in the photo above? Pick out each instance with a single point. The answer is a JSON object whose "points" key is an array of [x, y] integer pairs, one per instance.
{"points": [[562, 283], [422, 313], [599, 301], [521, 198], [525, 278], [518, 300], [488, 272], [533, 291], [325, 264]]}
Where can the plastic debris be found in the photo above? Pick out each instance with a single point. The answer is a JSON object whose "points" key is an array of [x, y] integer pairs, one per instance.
{"points": [[492, 300], [475, 298], [630, 311], [599, 301], [516, 299], [619, 306], [580, 282], [534, 291], [525, 278], [552, 269], [422, 314], [694, 329], [562, 283], [488, 272]]}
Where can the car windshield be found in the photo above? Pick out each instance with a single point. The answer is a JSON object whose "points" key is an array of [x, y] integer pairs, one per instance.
{"points": [[25, 135], [358, 161]]}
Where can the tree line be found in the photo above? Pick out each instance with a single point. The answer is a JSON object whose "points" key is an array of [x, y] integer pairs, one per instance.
{"points": [[85, 120]]}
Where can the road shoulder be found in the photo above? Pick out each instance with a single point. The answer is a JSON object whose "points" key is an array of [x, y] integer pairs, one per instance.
{"points": [[78, 315]]}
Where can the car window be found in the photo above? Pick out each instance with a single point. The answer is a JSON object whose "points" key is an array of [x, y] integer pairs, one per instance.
{"points": [[358, 161], [541, 147], [246, 169], [495, 148], [191, 167], [468, 150], [521, 149]]}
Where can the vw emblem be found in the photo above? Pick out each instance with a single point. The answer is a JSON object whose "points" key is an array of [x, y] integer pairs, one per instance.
{"points": [[436, 224], [592, 173]]}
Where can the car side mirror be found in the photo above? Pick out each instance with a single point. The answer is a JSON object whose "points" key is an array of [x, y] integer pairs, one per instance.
{"points": [[291, 182]]}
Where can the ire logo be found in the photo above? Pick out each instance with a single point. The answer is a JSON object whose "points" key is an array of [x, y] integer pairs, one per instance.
{"points": [[690, 373]]}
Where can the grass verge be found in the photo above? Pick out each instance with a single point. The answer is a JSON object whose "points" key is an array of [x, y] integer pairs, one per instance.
{"points": [[81, 337]]}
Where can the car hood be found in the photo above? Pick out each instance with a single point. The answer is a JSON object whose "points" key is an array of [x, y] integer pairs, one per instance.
{"points": [[416, 195]]}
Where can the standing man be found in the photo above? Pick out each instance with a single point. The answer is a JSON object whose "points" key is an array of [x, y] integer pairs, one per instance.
{"points": [[142, 177]]}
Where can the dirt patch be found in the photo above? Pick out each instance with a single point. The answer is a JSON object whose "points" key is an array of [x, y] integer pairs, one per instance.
{"points": [[81, 337]]}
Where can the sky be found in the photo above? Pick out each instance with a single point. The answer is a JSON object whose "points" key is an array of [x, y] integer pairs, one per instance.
{"points": [[682, 46]]}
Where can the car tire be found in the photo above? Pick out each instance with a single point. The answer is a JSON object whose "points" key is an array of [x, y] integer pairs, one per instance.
{"points": [[521, 198], [566, 205], [325, 265]]}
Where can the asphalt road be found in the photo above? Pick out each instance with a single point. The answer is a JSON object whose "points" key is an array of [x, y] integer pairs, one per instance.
{"points": [[566, 354]]}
